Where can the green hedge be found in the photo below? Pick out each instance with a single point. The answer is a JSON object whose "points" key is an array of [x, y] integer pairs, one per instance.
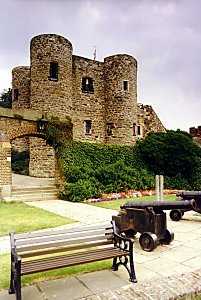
{"points": [[94, 169]]}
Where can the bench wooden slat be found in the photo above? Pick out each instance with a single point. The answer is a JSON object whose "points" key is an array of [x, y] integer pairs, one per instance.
{"points": [[63, 243], [45, 260], [64, 249], [66, 236], [62, 231], [62, 262]]}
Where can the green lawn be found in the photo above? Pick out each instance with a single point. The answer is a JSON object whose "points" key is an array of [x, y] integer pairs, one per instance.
{"points": [[20, 217], [115, 204]]}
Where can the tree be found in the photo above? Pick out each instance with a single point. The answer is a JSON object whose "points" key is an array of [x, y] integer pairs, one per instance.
{"points": [[170, 153], [6, 98]]}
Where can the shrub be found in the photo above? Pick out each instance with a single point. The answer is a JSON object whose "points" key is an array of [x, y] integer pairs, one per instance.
{"points": [[176, 182], [81, 190]]}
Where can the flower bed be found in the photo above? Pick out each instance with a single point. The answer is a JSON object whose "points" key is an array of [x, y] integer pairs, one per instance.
{"points": [[129, 194]]}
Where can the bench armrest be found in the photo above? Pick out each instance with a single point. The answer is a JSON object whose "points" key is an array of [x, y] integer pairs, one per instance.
{"points": [[122, 242], [13, 248]]}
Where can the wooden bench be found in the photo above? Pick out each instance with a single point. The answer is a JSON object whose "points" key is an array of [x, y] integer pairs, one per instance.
{"points": [[65, 248]]}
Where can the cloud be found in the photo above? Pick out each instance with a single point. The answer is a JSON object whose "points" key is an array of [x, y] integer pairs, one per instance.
{"points": [[164, 36]]}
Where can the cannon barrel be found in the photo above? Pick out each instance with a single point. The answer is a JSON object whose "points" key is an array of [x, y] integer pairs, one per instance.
{"points": [[189, 194], [162, 205]]}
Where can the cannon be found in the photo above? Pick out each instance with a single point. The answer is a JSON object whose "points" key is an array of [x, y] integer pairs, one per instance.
{"points": [[176, 213], [148, 219]]}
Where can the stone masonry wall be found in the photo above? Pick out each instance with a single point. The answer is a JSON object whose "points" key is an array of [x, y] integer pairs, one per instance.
{"points": [[87, 105], [149, 120], [42, 159], [21, 85], [17, 127], [5, 159], [20, 144]]}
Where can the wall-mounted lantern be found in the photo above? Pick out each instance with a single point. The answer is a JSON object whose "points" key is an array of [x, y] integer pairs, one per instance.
{"points": [[42, 124]]}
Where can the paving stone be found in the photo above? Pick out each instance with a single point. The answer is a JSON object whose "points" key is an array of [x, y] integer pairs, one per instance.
{"points": [[102, 281], [64, 289]]}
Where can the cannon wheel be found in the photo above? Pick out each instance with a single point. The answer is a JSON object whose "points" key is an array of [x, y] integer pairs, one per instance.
{"points": [[176, 214], [130, 232], [148, 241], [168, 237]]}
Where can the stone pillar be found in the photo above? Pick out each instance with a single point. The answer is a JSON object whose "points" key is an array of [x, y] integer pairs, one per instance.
{"points": [[5, 166]]}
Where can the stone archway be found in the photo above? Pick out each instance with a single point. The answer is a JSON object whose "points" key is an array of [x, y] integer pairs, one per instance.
{"points": [[12, 128]]}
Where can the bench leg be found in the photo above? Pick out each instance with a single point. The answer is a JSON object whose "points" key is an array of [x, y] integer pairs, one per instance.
{"points": [[18, 281], [12, 289], [15, 281], [124, 261], [115, 265], [132, 270]]}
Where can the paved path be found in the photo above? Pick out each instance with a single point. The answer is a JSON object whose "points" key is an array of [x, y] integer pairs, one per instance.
{"points": [[84, 213]]}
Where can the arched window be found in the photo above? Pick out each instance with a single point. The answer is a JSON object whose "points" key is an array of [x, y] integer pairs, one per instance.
{"points": [[87, 85]]}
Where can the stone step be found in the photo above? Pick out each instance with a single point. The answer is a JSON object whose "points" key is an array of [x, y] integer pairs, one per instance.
{"points": [[34, 193], [28, 190], [34, 197]]}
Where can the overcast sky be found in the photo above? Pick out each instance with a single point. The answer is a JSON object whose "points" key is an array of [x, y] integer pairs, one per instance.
{"points": [[163, 35]]}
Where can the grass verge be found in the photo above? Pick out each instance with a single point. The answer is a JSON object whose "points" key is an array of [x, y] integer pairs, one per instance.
{"points": [[115, 204], [20, 217]]}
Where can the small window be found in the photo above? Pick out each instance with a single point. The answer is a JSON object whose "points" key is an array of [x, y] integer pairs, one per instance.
{"points": [[53, 71], [125, 85], [87, 85], [16, 94], [139, 130], [109, 129], [87, 126]]}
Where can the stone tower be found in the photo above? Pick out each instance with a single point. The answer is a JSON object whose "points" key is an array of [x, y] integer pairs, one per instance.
{"points": [[21, 87], [120, 98], [51, 74]]}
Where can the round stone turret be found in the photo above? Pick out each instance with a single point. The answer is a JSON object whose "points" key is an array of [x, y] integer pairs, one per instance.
{"points": [[51, 74], [120, 98], [21, 87]]}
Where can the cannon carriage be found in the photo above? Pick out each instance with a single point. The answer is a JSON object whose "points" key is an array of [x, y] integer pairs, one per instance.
{"points": [[149, 219]]}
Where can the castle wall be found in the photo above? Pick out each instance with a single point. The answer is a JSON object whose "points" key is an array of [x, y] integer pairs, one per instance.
{"points": [[51, 74], [120, 98], [148, 121], [20, 144], [88, 105], [196, 134], [42, 159], [21, 87]]}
